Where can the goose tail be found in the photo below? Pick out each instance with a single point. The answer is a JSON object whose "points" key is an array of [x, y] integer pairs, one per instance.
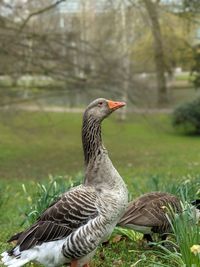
{"points": [[13, 261]]}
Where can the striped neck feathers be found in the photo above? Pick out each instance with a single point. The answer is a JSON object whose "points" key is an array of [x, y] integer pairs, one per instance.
{"points": [[91, 138]]}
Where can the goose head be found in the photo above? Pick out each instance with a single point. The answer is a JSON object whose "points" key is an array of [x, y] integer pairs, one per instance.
{"points": [[101, 108]]}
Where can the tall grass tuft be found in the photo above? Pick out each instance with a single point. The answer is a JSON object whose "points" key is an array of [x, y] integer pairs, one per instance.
{"points": [[160, 257], [45, 194], [187, 234], [188, 184]]}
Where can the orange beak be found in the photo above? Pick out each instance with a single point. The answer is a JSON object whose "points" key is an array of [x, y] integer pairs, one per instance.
{"points": [[115, 105]]}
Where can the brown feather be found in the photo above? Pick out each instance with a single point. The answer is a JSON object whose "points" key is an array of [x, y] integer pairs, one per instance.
{"points": [[60, 219], [148, 210]]}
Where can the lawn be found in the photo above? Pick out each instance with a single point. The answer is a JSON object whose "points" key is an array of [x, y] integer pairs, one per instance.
{"points": [[148, 153], [34, 145]]}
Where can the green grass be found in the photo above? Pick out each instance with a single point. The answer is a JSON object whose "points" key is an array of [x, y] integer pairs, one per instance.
{"points": [[182, 77], [187, 233], [34, 145], [145, 149]]}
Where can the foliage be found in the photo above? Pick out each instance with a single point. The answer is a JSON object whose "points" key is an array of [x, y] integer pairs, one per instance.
{"points": [[192, 6], [131, 234], [163, 257], [187, 233], [189, 189], [88, 55], [187, 117], [196, 69]]}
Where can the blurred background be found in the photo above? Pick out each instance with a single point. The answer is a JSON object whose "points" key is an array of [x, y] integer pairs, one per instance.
{"points": [[67, 52], [57, 56]]}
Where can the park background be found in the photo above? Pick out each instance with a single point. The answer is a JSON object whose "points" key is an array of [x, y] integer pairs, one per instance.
{"points": [[56, 57]]}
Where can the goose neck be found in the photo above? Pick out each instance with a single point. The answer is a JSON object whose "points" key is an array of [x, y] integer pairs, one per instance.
{"points": [[91, 138]]}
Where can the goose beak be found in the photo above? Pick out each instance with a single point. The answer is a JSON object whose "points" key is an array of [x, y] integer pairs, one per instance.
{"points": [[113, 105]]}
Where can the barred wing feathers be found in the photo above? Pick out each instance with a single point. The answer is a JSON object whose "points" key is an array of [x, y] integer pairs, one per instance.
{"points": [[74, 209]]}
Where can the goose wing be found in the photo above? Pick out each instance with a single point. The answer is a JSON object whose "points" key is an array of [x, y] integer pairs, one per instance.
{"points": [[149, 210], [74, 209]]}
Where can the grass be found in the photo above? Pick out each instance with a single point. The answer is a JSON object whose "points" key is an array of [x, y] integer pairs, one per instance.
{"points": [[145, 149], [34, 145], [187, 233]]}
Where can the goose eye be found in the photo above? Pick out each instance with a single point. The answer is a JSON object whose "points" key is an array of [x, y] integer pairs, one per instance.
{"points": [[100, 104]]}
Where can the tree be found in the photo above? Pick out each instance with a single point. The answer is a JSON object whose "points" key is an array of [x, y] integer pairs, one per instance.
{"points": [[151, 8], [196, 68], [101, 48]]}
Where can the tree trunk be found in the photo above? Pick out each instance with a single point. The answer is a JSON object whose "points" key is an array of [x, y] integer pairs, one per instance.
{"points": [[151, 8], [125, 59]]}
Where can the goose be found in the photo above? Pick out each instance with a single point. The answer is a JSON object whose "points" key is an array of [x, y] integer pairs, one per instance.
{"points": [[147, 214], [69, 231]]}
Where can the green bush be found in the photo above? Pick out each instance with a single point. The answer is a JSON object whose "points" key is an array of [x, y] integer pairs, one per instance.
{"points": [[187, 117]]}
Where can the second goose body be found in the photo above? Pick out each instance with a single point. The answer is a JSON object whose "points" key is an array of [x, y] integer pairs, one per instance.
{"points": [[147, 214]]}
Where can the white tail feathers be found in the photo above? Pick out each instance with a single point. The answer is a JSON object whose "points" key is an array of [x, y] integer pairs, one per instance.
{"points": [[12, 261], [48, 254]]}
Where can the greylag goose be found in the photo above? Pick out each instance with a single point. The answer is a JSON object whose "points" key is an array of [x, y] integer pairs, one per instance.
{"points": [[147, 214], [70, 230]]}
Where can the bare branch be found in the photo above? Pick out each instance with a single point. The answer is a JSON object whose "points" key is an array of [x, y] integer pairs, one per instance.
{"points": [[38, 12]]}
